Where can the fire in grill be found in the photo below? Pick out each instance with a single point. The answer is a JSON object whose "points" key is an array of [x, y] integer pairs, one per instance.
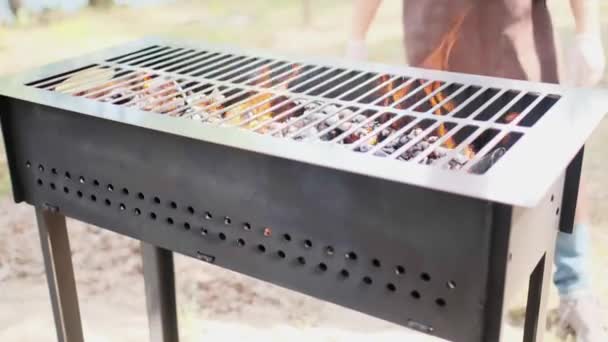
{"points": [[444, 124], [422, 197]]}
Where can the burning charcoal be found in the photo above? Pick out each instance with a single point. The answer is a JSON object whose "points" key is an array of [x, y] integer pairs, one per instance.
{"points": [[415, 132], [365, 147], [332, 120], [432, 139], [318, 116], [423, 145], [331, 109], [404, 140], [388, 150], [347, 113], [487, 161], [197, 117], [312, 106], [381, 153], [307, 133], [345, 126], [359, 118], [460, 158]]}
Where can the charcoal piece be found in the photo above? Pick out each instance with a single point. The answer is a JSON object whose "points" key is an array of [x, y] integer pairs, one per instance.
{"points": [[332, 120], [487, 161], [345, 126]]}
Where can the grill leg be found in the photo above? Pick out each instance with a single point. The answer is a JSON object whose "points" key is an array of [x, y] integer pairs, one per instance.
{"points": [[159, 281], [60, 275], [538, 293]]}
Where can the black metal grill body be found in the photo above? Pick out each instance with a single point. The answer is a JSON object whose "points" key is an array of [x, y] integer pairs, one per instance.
{"points": [[438, 262]]}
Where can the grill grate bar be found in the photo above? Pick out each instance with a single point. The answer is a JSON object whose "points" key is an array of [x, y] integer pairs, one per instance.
{"points": [[424, 154], [310, 90], [217, 87], [367, 111], [390, 138], [159, 101], [137, 54], [482, 128], [145, 58]]}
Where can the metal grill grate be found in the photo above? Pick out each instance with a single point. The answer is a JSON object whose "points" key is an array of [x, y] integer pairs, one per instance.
{"points": [[449, 125]]}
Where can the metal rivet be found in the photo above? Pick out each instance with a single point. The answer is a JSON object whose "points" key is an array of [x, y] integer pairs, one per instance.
{"points": [[399, 270], [329, 250]]}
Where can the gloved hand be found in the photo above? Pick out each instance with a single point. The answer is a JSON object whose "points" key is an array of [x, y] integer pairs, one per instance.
{"points": [[356, 50], [587, 60]]}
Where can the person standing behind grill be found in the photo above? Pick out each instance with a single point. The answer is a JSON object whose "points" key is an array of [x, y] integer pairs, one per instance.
{"points": [[510, 39]]}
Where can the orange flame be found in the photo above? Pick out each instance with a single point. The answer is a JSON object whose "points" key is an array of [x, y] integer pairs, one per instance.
{"points": [[439, 60], [255, 105]]}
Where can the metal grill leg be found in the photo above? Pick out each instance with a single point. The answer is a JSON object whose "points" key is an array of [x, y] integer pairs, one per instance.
{"points": [[538, 293], [60, 275], [160, 293]]}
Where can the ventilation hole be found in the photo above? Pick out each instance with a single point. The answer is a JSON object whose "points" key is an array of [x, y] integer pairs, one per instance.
{"points": [[222, 236], [153, 216], [81, 180], [173, 205], [227, 220], [141, 196], [376, 263], [54, 171], [108, 202], [79, 194], [208, 215], [110, 187], [552, 198], [125, 191], [39, 182], [391, 287], [186, 226], [246, 226], [156, 200], [367, 280], [557, 211], [40, 168], [301, 261], [68, 175], [451, 285], [204, 231], [441, 302], [93, 198], [95, 182], [66, 190], [351, 256], [137, 212], [122, 207], [240, 242], [267, 232], [344, 274], [53, 186], [261, 248], [329, 250], [169, 221], [281, 254], [191, 210], [307, 244], [286, 237], [322, 267], [28, 164], [399, 270], [425, 277], [415, 294]]}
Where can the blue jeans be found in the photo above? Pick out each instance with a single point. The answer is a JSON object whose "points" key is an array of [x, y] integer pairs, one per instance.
{"points": [[572, 256]]}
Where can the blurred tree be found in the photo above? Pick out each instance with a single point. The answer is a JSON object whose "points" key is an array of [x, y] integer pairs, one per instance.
{"points": [[101, 3], [14, 5]]}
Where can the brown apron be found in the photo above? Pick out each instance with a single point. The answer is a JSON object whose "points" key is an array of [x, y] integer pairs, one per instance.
{"points": [[500, 38]]}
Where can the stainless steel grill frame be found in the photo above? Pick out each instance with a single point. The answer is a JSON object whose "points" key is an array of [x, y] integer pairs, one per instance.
{"points": [[436, 250]]}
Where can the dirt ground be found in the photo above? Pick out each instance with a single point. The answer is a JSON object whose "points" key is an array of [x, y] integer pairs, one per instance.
{"points": [[214, 304]]}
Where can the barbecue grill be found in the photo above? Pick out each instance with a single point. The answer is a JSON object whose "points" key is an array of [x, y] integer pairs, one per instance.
{"points": [[421, 197]]}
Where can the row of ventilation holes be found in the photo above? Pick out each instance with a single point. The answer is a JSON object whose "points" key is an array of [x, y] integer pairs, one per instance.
{"points": [[267, 232]]}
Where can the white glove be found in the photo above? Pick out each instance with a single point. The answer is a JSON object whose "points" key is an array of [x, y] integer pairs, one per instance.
{"points": [[356, 50], [587, 60]]}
